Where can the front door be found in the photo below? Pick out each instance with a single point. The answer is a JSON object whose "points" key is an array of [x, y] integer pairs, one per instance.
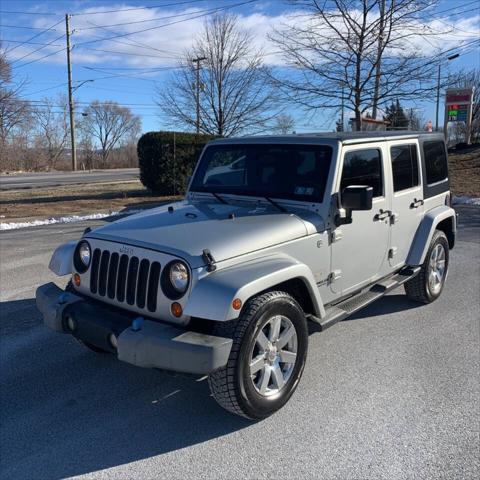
{"points": [[407, 199], [360, 249]]}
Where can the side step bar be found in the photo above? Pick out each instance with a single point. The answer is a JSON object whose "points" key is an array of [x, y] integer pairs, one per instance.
{"points": [[345, 308]]}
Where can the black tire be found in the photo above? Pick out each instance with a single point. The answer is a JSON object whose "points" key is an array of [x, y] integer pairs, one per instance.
{"points": [[93, 348], [232, 386], [418, 288]]}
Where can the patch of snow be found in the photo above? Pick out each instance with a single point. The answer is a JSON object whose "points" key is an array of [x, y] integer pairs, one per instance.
{"points": [[69, 219], [464, 200]]}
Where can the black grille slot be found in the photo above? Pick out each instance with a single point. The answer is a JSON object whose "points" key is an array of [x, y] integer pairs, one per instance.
{"points": [[142, 283], [153, 286], [112, 275], [132, 280], [102, 276], [122, 278], [94, 271]]}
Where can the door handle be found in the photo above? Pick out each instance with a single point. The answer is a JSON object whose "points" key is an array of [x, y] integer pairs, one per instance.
{"points": [[416, 203], [382, 214]]}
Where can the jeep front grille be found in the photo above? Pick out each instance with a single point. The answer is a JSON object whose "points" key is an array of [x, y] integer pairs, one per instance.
{"points": [[125, 279]]}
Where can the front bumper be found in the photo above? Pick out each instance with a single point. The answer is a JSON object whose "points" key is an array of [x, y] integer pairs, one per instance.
{"points": [[148, 344]]}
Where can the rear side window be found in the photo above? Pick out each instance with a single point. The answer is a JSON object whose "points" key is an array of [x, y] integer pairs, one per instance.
{"points": [[363, 167], [435, 161], [404, 167]]}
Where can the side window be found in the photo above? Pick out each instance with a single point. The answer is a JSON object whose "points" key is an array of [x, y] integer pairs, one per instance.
{"points": [[435, 161], [363, 167], [404, 166]]}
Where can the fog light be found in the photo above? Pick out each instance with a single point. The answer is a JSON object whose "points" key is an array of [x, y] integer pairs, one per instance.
{"points": [[71, 323], [176, 309], [113, 340], [76, 279]]}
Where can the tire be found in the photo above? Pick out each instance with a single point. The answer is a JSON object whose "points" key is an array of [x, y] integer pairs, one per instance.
{"points": [[93, 348], [420, 288], [277, 367]]}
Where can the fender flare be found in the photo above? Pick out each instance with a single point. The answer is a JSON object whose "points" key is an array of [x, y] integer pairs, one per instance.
{"points": [[61, 261], [425, 232], [211, 297]]}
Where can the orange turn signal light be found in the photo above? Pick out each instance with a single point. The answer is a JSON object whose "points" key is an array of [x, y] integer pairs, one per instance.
{"points": [[237, 304], [176, 309], [76, 279]]}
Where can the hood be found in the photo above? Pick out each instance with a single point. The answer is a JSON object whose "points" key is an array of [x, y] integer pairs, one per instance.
{"points": [[185, 229]]}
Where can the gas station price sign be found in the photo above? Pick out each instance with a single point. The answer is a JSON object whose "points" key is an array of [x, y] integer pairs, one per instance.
{"points": [[457, 113]]}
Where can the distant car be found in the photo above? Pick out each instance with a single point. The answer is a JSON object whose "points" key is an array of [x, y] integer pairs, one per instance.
{"points": [[309, 228]]}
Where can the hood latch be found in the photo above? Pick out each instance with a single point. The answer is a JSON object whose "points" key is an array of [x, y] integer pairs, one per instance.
{"points": [[209, 260]]}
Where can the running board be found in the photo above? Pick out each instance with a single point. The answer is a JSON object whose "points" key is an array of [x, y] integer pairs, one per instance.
{"points": [[342, 310]]}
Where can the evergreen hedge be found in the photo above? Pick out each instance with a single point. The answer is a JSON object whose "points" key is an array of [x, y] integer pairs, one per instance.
{"points": [[158, 170]]}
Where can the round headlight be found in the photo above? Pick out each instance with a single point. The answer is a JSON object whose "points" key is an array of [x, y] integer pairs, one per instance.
{"points": [[84, 253], [82, 256], [179, 277]]}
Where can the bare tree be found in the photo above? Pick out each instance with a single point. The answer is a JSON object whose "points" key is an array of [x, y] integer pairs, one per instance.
{"points": [[284, 123], [235, 94], [52, 124], [109, 125], [354, 52], [416, 120], [5, 70], [13, 110]]}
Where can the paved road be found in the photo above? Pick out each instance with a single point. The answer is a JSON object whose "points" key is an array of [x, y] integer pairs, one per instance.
{"points": [[392, 393], [36, 180]]}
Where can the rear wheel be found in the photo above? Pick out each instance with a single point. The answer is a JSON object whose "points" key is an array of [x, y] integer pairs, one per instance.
{"points": [[268, 355], [428, 284]]}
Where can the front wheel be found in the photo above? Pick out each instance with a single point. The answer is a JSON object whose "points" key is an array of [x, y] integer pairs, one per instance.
{"points": [[267, 359], [428, 284]]}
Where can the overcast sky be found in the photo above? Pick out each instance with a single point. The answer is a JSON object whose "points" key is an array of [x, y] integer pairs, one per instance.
{"points": [[148, 42]]}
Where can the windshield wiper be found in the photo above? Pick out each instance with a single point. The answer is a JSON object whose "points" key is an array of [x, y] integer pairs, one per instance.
{"points": [[275, 204], [219, 198]]}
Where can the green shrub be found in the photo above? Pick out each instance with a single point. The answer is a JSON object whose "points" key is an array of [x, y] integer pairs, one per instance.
{"points": [[161, 171]]}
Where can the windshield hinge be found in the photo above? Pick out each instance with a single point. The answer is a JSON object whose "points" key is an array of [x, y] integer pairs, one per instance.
{"points": [[209, 260]]}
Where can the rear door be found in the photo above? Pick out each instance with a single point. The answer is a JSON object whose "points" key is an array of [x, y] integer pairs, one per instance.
{"points": [[407, 199]]}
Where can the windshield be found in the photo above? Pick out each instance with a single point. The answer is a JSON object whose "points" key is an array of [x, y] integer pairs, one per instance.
{"points": [[296, 172]]}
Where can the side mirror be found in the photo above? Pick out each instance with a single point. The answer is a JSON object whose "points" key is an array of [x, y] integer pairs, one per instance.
{"points": [[354, 197], [357, 197]]}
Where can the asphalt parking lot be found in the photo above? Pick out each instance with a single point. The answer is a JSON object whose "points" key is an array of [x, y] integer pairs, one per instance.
{"points": [[390, 393]]}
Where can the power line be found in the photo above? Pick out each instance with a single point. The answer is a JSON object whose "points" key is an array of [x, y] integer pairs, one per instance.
{"points": [[127, 53], [38, 59], [138, 8], [40, 48], [24, 42], [24, 27], [167, 17], [171, 23], [35, 36], [29, 13], [132, 43]]}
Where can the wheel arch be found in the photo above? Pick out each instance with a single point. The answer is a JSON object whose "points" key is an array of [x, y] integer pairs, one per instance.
{"points": [[247, 280], [439, 218]]}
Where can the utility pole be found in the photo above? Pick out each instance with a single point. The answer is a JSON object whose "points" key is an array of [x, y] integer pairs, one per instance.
{"points": [[378, 67], [70, 97], [343, 107], [197, 89], [451, 57], [438, 99]]}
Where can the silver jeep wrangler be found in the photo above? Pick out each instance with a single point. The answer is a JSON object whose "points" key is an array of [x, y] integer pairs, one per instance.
{"points": [[274, 232]]}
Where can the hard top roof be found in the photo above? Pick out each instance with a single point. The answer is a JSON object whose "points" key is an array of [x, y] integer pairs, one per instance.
{"points": [[333, 137]]}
